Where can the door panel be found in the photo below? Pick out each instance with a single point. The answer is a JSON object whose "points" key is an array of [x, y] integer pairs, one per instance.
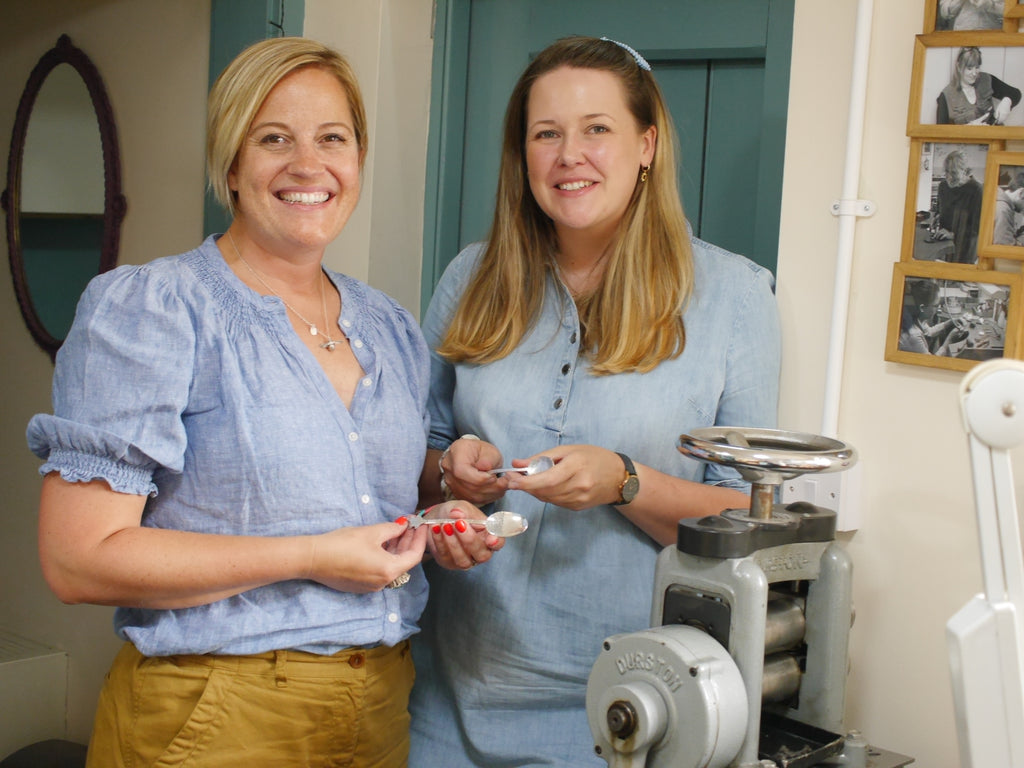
{"points": [[722, 65], [686, 82], [731, 149]]}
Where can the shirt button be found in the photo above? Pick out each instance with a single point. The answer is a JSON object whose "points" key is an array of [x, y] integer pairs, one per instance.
{"points": [[566, 368], [367, 381], [346, 323], [358, 344], [572, 338], [353, 436], [393, 618], [365, 499], [558, 402]]}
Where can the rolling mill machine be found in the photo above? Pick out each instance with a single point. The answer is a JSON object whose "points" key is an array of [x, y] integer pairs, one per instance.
{"points": [[745, 662]]}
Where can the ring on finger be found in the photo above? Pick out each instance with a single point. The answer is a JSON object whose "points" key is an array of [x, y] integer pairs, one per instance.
{"points": [[400, 581]]}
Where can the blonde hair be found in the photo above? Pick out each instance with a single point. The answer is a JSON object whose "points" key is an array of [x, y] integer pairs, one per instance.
{"points": [[243, 86], [958, 172], [633, 321]]}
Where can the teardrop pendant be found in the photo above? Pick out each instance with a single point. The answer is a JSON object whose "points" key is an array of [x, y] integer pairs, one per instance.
{"points": [[313, 331]]}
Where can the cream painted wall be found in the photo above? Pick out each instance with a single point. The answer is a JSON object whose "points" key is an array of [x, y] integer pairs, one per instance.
{"points": [[915, 556]]}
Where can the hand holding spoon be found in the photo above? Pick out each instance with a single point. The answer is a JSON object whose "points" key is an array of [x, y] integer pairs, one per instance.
{"points": [[502, 524], [540, 464]]}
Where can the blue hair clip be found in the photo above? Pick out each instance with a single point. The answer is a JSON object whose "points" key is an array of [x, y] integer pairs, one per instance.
{"points": [[640, 60]]}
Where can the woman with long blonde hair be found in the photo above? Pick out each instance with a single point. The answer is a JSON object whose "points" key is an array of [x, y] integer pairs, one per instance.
{"points": [[592, 329]]}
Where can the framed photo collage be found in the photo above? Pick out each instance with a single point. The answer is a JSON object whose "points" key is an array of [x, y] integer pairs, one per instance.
{"points": [[957, 289]]}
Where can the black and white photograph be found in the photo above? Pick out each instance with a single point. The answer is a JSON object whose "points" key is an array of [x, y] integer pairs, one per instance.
{"points": [[1002, 207], [965, 15], [945, 209], [1008, 209], [939, 319], [973, 88]]}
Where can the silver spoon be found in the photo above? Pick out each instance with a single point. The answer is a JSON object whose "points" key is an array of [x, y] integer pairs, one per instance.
{"points": [[540, 464], [502, 524]]}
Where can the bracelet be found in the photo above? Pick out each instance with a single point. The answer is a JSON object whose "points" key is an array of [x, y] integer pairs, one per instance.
{"points": [[446, 492]]}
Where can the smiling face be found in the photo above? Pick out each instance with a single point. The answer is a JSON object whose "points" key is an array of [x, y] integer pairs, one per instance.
{"points": [[584, 150], [296, 176]]}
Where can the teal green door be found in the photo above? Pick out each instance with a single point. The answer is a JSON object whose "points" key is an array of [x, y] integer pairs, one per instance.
{"points": [[722, 64]]}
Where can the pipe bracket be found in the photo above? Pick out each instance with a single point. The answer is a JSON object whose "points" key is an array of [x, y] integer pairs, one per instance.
{"points": [[853, 208]]}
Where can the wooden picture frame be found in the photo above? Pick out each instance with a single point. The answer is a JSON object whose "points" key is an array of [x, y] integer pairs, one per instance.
{"points": [[932, 93], [952, 316], [933, 224], [1001, 234], [936, 20], [1014, 10]]}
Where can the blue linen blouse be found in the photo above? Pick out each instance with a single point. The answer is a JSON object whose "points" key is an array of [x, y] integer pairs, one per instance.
{"points": [[179, 382], [506, 649]]}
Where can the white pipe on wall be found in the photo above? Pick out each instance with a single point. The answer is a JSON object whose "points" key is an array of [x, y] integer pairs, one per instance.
{"points": [[848, 209]]}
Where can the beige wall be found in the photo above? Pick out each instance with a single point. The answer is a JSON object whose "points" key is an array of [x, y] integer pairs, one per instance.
{"points": [[916, 554]]}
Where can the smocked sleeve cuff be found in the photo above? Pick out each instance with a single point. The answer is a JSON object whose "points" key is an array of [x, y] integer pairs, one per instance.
{"points": [[82, 468], [81, 454]]}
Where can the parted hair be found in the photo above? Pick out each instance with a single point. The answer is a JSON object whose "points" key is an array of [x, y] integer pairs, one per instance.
{"points": [[969, 56], [633, 320], [243, 86]]}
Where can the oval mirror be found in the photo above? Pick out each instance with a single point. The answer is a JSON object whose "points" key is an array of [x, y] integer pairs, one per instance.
{"points": [[63, 198]]}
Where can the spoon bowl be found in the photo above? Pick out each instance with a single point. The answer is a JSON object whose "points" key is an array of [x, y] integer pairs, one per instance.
{"points": [[540, 464]]}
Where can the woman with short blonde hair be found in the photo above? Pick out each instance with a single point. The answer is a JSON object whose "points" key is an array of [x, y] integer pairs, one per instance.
{"points": [[239, 490], [242, 87]]}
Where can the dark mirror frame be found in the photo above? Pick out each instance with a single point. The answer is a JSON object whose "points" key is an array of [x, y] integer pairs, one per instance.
{"points": [[114, 204]]}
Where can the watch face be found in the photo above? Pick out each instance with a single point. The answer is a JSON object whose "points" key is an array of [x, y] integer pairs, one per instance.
{"points": [[630, 488]]}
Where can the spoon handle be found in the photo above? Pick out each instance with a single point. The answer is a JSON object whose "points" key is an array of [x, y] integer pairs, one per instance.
{"points": [[416, 522]]}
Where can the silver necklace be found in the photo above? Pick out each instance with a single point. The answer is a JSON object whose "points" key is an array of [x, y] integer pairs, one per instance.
{"points": [[330, 344]]}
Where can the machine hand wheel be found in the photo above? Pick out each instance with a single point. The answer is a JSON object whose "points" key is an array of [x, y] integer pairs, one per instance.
{"points": [[767, 457]]}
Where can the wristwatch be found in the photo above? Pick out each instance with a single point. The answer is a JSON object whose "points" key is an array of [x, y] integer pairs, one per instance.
{"points": [[631, 485]]}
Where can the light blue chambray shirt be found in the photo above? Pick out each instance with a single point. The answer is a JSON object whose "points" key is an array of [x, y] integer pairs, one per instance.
{"points": [[179, 382], [507, 648]]}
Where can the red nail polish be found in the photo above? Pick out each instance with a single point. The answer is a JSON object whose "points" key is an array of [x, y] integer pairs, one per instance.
{"points": [[448, 530], [401, 520], [460, 526], [436, 529]]}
